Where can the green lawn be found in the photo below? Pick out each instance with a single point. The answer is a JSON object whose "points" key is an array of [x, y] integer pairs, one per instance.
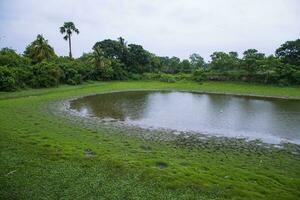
{"points": [[44, 156]]}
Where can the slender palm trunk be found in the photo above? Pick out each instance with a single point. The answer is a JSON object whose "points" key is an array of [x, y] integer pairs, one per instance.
{"points": [[70, 47]]}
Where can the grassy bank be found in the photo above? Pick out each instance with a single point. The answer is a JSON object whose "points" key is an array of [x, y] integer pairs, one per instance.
{"points": [[47, 157]]}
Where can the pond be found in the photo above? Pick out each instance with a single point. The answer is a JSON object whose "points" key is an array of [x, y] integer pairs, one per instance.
{"points": [[268, 119]]}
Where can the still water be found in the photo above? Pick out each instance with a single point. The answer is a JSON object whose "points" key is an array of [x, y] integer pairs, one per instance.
{"points": [[267, 119]]}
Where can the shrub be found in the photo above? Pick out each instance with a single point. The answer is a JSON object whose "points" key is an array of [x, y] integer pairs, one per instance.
{"points": [[45, 75], [151, 76], [70, 75], [167, 78], [119, 73], [182, 77], [10, 58], [134, 76], [160, 77], [199, 75], [7, 79]]}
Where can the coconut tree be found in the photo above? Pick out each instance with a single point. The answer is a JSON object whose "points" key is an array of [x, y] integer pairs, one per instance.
{"points": [[39, 50], [68, 28], [122, 41]]}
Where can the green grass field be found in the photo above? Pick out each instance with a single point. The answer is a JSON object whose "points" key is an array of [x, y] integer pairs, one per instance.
{"points": [[44, 156]]}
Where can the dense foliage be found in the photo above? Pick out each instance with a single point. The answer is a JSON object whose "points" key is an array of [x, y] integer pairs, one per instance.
{"points": [[116, 60]]}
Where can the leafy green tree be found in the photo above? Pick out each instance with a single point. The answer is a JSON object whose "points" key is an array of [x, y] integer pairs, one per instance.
{"points": [[112, 49], [138, 59], [39, 50], [197, 61], [170, 65], [251, 61], [222, 62], [68, 29], [155, 63], [289, 52], [185, 66], [267, 69]]}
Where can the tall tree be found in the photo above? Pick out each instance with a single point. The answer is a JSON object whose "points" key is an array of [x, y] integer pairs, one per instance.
{"points": [[112, 49], [68, 28], [289, 52], [39, 50], [138, 59]]}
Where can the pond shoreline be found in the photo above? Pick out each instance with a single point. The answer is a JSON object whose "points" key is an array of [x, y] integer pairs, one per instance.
{"points": [[62, 108], [192, 91]]}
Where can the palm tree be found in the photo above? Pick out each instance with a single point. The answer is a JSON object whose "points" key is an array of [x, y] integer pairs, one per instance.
{"points": [[39, 50], [122, 41], [68, 28], [98, 58]]}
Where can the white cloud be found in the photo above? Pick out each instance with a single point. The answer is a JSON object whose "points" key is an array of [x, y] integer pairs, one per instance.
{"points": [[178, 27]]}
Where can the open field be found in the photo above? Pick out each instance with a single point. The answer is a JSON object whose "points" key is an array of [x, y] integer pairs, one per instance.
{"points": [[44, 156]]}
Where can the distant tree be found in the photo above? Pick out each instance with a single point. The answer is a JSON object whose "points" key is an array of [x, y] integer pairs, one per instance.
{"points": [[39, 50], [185, 66], [197, 61], [170, 65], [155, 63], [68, 28], [112, 49], [102, 65], [251, 60], [267, 69], [138, 59], [289, 52], [233, 54], [98, 57], [221, 61], [124, 50], [10, 58]]}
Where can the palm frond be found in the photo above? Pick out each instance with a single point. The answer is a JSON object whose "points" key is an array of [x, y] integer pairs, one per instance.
{"points": [[62, 30]]}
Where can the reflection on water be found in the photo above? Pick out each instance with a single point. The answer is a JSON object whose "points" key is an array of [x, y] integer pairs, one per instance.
{"points": [[271, 120]]}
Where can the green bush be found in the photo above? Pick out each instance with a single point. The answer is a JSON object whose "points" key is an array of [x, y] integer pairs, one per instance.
{"points": [[134, 76], [151, 76], [70, 75], [199, 75], [10, 58], [167, 78], [45, 75], [119, 73], [160, 77], [183, 77], [7, 79]]}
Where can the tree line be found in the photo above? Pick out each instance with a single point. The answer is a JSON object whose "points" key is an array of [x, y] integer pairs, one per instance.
{"points": [[39, 66]]}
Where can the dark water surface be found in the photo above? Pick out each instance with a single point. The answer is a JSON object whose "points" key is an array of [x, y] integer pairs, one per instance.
{"points": [[268, 119]]}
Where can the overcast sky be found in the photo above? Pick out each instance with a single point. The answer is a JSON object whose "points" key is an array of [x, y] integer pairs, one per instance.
{"points": [[166, 28]]}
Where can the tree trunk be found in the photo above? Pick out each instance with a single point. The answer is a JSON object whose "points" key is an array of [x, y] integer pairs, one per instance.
{"points": [[70, 47]]}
